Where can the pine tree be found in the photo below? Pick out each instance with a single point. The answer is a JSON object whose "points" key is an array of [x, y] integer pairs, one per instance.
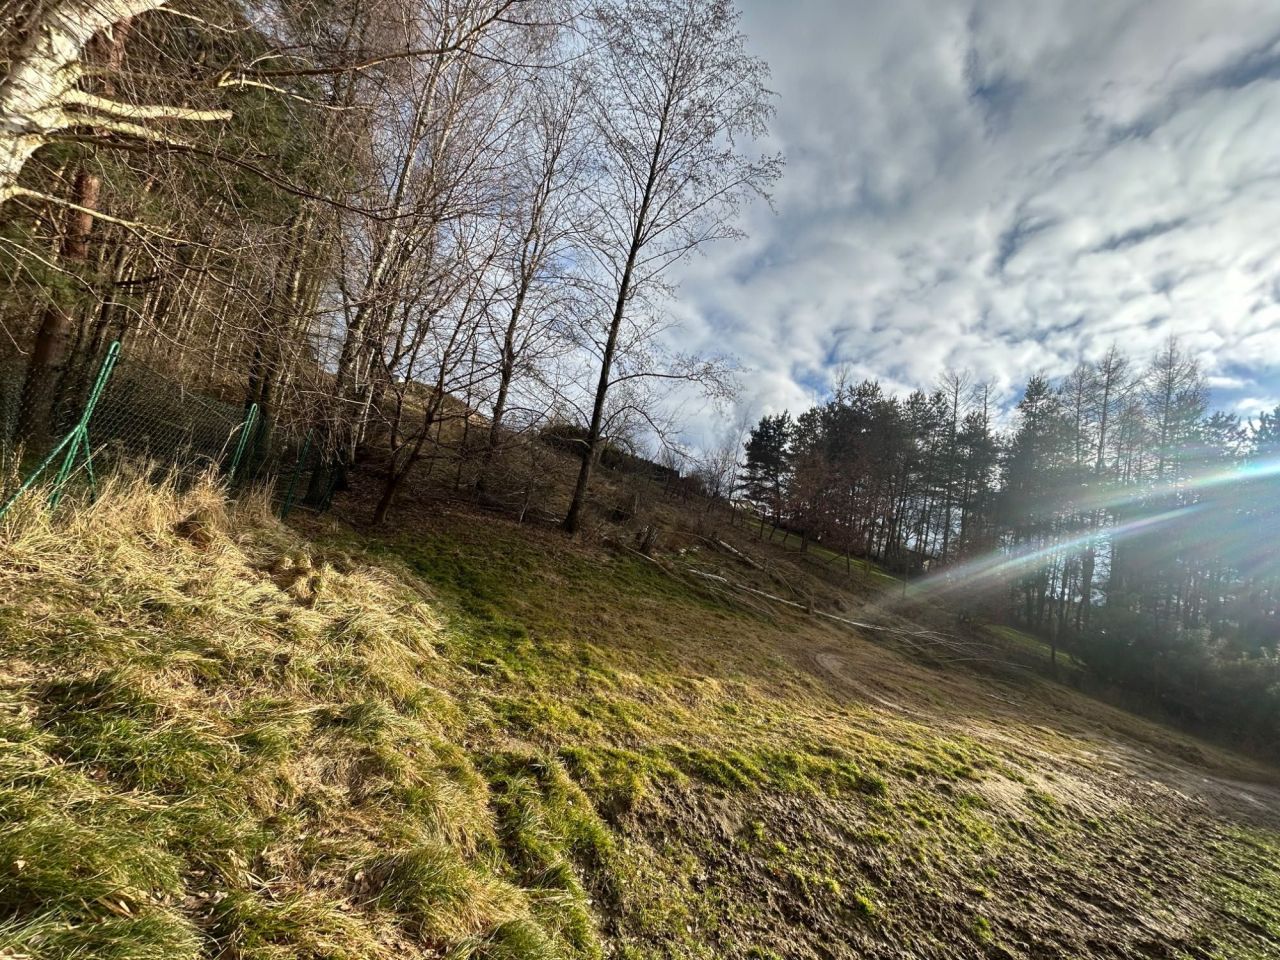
{"points": [[767, 471]]}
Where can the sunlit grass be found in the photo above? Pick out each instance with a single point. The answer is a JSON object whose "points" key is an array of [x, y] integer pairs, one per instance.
{"points": [[220, 740]]}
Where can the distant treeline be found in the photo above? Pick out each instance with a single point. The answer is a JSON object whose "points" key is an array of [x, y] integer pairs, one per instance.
{"points": [[1119, 518]]}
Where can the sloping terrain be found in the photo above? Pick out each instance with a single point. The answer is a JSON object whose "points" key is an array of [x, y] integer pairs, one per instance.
{"points": [[223, 738]]}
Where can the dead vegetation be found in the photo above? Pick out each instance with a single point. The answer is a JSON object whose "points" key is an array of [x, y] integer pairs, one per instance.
{"points": [[221, 739], [220, 743]]}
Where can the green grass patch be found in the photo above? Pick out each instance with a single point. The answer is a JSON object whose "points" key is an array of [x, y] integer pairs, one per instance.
{"points": [[479, 743]]}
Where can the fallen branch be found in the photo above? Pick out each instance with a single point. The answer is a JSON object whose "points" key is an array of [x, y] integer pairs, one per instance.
{"points": [[733, 552]]}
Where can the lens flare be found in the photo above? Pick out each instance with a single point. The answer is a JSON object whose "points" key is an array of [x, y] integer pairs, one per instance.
{"points": [[1190, 496]]}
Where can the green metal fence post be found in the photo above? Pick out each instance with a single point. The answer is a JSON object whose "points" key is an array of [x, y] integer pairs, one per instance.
{"points": [[80, 434], [245, 429], [73, 442], [35, 474], [330, 487], [297, 472]]}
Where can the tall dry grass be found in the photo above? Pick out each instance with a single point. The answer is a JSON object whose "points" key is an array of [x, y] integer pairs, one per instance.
{"points": [[216, 740]]}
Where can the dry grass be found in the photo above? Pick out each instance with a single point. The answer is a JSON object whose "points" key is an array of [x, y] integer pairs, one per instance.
{"points": [[219, 739], [220, 742]]}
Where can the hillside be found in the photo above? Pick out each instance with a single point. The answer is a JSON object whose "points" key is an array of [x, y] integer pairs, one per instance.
{"points": [[228, 738]]}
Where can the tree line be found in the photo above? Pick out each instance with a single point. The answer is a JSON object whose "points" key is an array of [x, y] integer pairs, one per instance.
{"points": [[1116, 516], [393, 223]]}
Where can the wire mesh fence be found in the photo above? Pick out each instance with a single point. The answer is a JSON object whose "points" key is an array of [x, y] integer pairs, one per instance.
{"points": [[72, 427]]}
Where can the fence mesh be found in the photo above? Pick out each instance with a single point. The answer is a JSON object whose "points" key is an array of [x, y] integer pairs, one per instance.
{"points": [[74, 426]]}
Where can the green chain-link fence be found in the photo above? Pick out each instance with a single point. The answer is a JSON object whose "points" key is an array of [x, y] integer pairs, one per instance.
{"points": [[115, 411]]}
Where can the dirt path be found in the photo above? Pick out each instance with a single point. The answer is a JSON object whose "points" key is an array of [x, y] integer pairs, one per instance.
{"points": [[1080, 742]]}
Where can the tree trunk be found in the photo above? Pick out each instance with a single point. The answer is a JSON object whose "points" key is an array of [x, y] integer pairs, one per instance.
{"points": [[573, 520], [389, 490], [1086, 587], [33, 96], [49, 352], [397, 472], [505, 375]]}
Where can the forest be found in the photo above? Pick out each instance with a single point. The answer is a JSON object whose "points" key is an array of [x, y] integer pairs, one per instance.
{"points": [[1116, 516], [398, 228]]}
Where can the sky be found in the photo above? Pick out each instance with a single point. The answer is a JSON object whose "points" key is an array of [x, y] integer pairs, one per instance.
{"points": [[1004, 187]]}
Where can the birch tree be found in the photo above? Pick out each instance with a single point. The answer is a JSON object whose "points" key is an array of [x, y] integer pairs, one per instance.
{"points": [[41, 94], [674, 94], [429, 108], [541, 223]]}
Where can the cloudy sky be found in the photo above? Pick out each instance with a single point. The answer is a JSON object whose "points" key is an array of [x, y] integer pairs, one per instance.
{"points": [[1006, 186]]}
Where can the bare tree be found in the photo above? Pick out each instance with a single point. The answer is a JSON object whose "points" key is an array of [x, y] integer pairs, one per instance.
{"points": [[1176, 397], [673, 91], [1112, 384], [541, 224], [956, 387], [364, 209], [42, 96]]}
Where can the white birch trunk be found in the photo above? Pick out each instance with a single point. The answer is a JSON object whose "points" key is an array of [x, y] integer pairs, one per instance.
{"points": [[42, 81]]}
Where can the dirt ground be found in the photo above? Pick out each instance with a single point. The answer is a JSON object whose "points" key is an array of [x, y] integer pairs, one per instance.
{"points": [[1068, 828], [1111, 835]]}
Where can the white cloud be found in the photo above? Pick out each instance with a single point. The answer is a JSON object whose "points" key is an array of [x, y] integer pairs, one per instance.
{"points": [[1006, 187], [1252, 406], [1229, 383]]}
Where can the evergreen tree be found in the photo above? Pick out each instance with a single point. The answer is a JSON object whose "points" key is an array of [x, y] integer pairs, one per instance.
{"points": [[767, 471]]}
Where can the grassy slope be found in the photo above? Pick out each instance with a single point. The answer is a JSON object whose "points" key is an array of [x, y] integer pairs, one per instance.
{"points": [[222, 740]]}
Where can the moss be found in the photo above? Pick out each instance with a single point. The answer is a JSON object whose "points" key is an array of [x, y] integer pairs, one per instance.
{"points": [[727, 769], [509, 768], [1245, 892], [863, 902], [815, 887], [980, 927], [1044, 805], [617, 780]]}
